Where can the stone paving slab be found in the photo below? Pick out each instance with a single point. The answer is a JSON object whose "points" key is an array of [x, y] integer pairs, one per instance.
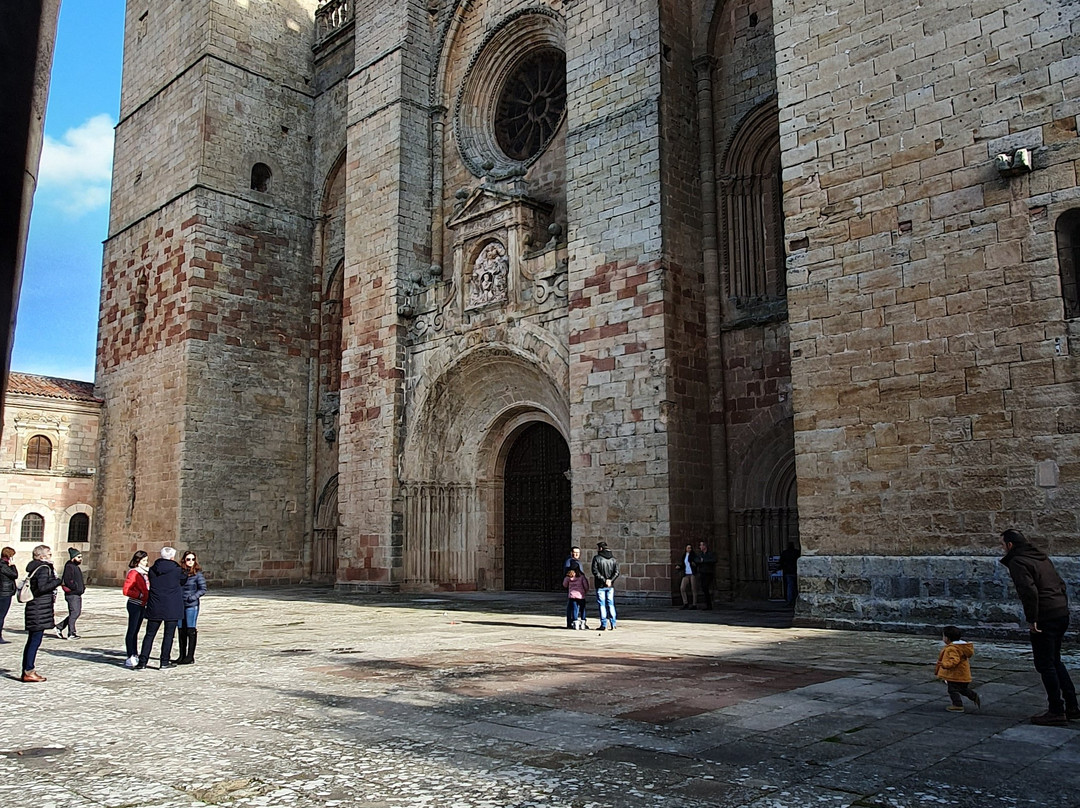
{"points": [[308, 697]]}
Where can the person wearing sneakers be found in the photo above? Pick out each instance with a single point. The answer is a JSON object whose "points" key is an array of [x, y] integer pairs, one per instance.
{"points": [[577, 587], [1046, 608], [605, 570], [137, 591], [954, 668], [42, 580], [74, 588]]}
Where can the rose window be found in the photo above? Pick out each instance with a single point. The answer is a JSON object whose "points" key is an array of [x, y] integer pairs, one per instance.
{"points": [[531, 104]]}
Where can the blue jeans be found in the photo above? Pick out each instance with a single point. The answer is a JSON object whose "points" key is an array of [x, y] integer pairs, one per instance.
{"points": [[605, 599], [131, 639], [191, 614], [575, 610], [29, 654], [791, 589]]}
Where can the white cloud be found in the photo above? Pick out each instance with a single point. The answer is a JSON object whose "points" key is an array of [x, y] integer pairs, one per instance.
{"points": [[76, 170]]}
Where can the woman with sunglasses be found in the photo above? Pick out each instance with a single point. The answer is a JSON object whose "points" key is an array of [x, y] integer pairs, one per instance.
{"points": [[194, 587]]}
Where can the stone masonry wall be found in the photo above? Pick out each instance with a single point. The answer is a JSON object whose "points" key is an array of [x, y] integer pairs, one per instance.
{"points": [[619, 370], [387, 220], [934, 374]]}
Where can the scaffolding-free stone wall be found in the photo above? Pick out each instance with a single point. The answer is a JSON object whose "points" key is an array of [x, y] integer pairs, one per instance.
{"points": [[934, 375]]}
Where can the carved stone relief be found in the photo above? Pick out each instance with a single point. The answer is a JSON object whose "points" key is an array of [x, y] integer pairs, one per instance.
{"points": [[487, 282]]}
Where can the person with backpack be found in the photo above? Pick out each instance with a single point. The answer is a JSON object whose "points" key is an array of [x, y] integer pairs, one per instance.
{"points": [[42, 580]]}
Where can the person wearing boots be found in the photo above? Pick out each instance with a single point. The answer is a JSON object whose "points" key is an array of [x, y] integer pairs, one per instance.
{"points": [[194, 587], [1046, 608], [9, 573], [74, 587], [42, 580], [165, 604]]}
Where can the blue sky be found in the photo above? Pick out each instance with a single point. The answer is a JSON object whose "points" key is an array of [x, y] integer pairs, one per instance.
{"points": [[57, 321]]}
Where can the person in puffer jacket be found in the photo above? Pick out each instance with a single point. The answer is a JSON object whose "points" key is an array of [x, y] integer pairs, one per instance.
{"points": [[42, 580], [954, 668], [1046, 608]]}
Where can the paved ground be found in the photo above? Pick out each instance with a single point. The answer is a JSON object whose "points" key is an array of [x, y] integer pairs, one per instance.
{"points": [[309, 698]]}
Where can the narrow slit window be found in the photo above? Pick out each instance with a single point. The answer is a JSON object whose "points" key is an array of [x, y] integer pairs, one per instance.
{"points": [[260, 177]]}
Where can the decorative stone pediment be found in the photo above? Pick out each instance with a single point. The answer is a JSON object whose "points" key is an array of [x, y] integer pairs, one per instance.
{"points": [[494, 227], [487, 207]]}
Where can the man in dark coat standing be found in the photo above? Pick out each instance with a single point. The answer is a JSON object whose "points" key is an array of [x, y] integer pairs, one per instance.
{"points": [[1046, 608], [74, 588], [165, 605], [705, 566]]}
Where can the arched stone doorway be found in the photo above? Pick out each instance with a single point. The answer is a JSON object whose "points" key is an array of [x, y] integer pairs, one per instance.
{"points": [[536, 509]]}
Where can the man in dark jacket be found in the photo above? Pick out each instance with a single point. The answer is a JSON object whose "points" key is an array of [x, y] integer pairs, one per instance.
{"points": [[705, 564], [1046, 608], [74, 588], [605, 570], [165, 605]]}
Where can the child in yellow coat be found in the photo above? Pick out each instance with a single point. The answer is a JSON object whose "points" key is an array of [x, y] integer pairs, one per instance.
{"points": [[953, 667]]}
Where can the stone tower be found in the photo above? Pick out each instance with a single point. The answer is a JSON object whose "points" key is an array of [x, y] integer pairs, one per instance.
{"points": [[204, 354]]}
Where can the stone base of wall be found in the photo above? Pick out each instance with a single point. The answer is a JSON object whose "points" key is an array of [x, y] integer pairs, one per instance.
{"points": [[917, 593], [367, 587]]}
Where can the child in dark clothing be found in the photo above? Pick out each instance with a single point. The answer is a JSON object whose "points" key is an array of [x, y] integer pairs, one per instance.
{"points": [[953, 667]]}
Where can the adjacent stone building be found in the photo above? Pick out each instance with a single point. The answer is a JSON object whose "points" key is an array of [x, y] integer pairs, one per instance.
{"points": [[48, 458], [414, 295]]}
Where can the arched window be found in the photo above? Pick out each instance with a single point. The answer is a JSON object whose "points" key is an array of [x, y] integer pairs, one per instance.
{"points": [[1067, 231], [79, 528], [33, 528], [39, 453], [260, 177], [752, 225]]}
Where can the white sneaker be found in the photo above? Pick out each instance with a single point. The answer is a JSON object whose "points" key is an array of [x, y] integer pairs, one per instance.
{"points": [[131, 662]]}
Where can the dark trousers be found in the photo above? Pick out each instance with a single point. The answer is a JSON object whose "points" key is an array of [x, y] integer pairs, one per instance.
{"points": [[152, 627], [1046, 651], [706, 580], [791, 588], [74, 604], [135, 617], [5, 604], [29, 654], [958, 689]]}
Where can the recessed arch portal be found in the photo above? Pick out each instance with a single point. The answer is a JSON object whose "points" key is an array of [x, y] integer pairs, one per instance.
{"points": [[536, 508]]}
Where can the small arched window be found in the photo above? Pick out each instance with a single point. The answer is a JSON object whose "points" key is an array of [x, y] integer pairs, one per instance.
{"points": [[1067, 231], [79, 528], [260, 177], [33, 528], [39, 453]]}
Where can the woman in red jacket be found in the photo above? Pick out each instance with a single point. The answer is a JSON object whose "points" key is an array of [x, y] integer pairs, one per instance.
{"points": [[137, 591]]}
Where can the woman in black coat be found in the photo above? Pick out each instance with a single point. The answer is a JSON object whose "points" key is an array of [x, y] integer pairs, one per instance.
{"points": [[42, 580], [165, 605], [8, 576]]}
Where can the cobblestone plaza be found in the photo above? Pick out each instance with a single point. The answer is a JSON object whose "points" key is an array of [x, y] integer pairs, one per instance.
{"points": [[306, 697]]}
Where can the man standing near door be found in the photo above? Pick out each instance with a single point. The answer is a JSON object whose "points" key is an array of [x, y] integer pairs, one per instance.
{"points": [[706, 571], [605, 570]]}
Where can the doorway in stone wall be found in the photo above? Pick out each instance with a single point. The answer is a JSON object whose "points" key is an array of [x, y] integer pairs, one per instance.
{"points": [[536, 509]]}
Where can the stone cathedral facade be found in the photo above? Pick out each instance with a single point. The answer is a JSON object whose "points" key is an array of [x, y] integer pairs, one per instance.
{"points": [[413, 295]]}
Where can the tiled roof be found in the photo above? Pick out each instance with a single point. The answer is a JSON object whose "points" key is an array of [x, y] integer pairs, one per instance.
{"points": [[29, 385]]}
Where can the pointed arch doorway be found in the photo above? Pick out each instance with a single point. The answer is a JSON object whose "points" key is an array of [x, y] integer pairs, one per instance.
{"points": [[536, 509]]}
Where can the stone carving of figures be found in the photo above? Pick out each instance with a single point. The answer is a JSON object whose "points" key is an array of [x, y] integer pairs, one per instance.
{"points": [[489, 276]]}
